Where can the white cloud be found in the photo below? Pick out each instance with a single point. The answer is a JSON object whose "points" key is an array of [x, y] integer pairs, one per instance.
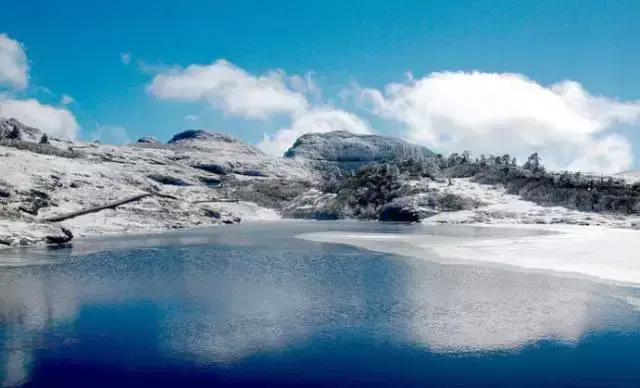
{"points": [[191, 118], [231, 89], [66, 100], [125, 58], [110, 134], [509, 113], [318, 120], [14, 71], [14, 67], [238, 92], [51, 120], [448, 112]]}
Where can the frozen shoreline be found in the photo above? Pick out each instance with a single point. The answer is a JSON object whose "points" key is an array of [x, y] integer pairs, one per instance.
{"points": [[598, 253]]}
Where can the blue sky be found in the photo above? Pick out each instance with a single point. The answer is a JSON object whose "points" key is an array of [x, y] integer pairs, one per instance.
{"points": [[351, 50]]}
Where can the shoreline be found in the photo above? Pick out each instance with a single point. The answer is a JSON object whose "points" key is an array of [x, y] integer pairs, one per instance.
{"points": [[462, 218], [598, 253]]}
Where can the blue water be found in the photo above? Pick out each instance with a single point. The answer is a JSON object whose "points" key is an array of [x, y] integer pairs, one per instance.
{"points": [[254, 306]]}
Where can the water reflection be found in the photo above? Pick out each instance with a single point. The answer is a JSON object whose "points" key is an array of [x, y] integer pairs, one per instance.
{"points": [[224, 303], [277, 302], [480, 309], [31, 301]]}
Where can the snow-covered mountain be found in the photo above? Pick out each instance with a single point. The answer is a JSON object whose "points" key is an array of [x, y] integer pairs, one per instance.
{"points": [[51, 191]]}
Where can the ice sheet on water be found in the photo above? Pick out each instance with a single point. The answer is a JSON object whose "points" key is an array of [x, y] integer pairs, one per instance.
{"points": [[595, 252]]}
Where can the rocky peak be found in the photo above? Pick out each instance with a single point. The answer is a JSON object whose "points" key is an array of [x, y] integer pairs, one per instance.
{"points": [[190, 135], [212, 141], [342, 146]]}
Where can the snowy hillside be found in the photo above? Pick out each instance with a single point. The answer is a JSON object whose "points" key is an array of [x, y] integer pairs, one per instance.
{"points": [[54, 189], [187, 182]]}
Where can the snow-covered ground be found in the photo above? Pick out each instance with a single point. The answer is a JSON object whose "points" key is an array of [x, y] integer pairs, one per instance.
{"points": [[111, 173], [187, 179], [593, 245], [503, 208]]}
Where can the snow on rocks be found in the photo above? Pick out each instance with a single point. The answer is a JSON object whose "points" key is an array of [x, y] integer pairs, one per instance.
{"points": [[201, 179], [342, 146], [47, 185], [21, 233], [501, 207]]}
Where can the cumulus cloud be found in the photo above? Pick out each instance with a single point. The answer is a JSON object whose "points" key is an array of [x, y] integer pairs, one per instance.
{"points": [[14, 67], [448, 112], [66, 100], [237, 92], [125, 58], [14, 71], [231, 89], [509, 113], [55, 121], [110, 134], [319, 120]]}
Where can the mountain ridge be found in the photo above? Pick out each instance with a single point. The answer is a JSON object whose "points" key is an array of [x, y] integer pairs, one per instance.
{"points": [[204, 178]]}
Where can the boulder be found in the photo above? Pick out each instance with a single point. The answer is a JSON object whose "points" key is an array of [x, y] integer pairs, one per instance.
{"points": [[63, 237], [231, 220], [406, 209]]}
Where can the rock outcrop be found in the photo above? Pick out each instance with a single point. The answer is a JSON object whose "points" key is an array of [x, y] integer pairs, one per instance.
{"points": [[147, 140], [22, 233], [346, 147], [213, 142], [13, 129]]}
